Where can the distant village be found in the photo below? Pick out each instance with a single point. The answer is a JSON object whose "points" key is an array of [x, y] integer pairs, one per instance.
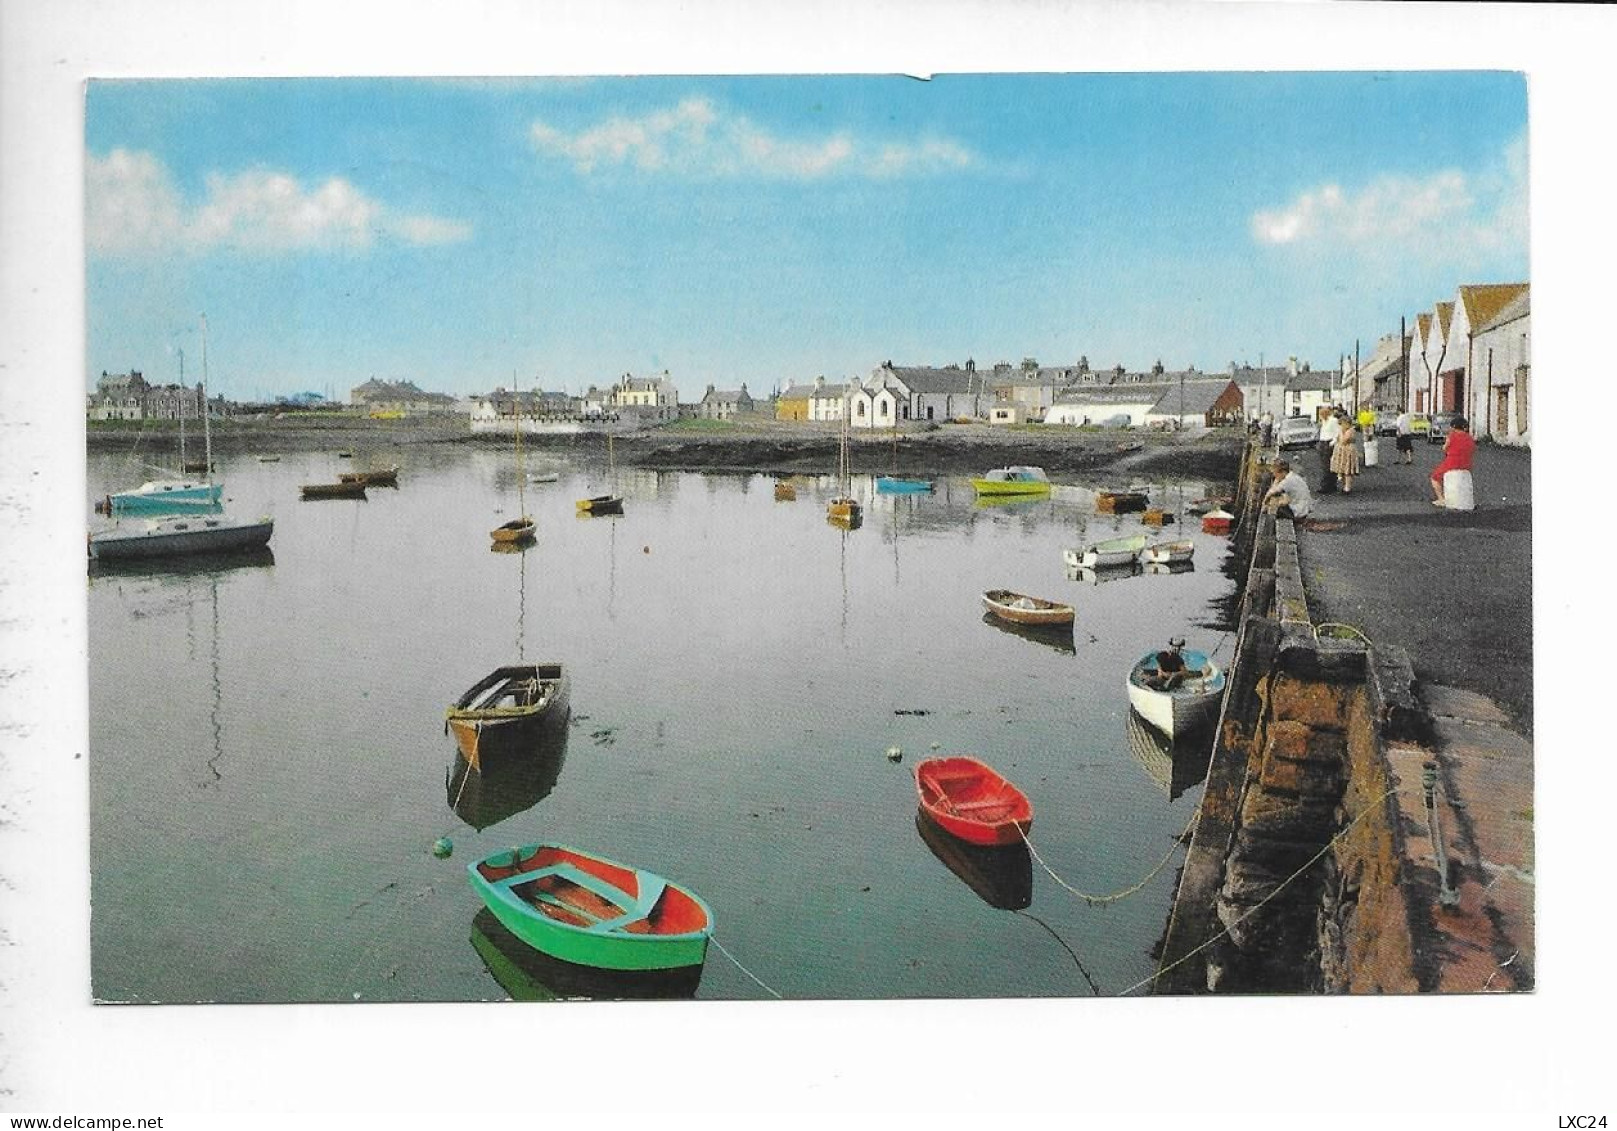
{"points": [[1468, 355]]}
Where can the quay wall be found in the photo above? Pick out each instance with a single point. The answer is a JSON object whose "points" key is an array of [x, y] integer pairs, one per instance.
{"points": [[1301, 875]]}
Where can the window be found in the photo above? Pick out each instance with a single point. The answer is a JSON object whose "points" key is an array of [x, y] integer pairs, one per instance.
{"points": [[861, 409]]}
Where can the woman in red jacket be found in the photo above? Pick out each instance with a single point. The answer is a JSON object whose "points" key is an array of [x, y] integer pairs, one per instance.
{"points": [[1457, 450]]}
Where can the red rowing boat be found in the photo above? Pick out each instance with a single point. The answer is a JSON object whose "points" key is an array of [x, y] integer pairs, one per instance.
{"points": [[971, 801]]}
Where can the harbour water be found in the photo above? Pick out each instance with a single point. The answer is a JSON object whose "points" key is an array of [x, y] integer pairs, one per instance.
{"points": [[269, 768]]}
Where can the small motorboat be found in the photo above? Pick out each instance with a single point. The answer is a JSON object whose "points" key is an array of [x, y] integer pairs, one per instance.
{"points": [[1120, 502], [506, 709], [339, 490], [601, 504], [970, 800], [1111, 552], [897, 485], [1166, 553], [544, 477], [1016, 480], [1156, 516], [586, 909], [1019, 608], [844, 507], [165, 496], [1217, 521], [1180, 702]]}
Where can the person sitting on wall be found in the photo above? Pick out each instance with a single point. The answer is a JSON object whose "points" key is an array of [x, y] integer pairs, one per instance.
{"points": [[1289, 497], [1171, 670], [1457, 452]]}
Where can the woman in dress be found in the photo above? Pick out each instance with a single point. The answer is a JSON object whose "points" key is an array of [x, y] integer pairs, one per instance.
{"points": [[1345, 454], [1457, 452]]}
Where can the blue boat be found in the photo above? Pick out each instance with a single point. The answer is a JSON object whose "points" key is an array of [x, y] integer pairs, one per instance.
{"points": [[165, 496], [894, 485]]}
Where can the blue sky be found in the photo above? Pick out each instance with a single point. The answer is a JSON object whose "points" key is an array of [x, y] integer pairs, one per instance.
{"points": [[458, 232]]}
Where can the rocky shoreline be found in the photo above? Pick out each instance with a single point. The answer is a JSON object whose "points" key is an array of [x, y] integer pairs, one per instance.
{"points": [[763, 447]]}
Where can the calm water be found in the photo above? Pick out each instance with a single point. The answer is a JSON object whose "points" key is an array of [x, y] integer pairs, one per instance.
{"points": [[269, 767]]}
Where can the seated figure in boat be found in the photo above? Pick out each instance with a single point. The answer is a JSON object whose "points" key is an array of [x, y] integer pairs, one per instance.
{"points": [[1171, 671]]}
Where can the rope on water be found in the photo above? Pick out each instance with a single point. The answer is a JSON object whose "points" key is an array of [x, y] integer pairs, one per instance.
{"points": [[1347, 828], [1101, 900], [715, 941]]}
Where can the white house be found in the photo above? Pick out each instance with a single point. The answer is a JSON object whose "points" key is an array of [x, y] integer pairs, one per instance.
{"points": [[1424, 352], [1123, 404], [936, 394], [1501, 354], [874, 405], [829, 402], [652, 398], [1474, 306]]}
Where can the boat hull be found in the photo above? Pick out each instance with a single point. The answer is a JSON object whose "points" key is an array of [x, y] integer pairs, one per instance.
{"points": [[844, 509], [339, 490], [1024, 480], [1120, 502], [970, 800], [1002, 603], [1167, 553], [500, 715], [156, 498], [497, 877], [601, 504], [1217, 522], [1190, 707], [182, 538], [1102, 555], [513, 532], [890, 485], [383, 477]]}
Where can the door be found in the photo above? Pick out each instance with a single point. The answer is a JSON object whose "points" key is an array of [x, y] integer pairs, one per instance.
{"points": [[1501, 415]]}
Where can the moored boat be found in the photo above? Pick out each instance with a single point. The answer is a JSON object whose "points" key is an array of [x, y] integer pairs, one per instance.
{"points": [[785, 492], [378, 477], [506, 709], [896, 485], [970, 800], [1217, 521], [511, 533], [1019, 608], [1111, 552], [338, 490], [1166, 553], [1120, 502], [601, 504], [1177, 703], [586, 909], [1016, 480], [165, 496], [182, 536], [1202, 506]]}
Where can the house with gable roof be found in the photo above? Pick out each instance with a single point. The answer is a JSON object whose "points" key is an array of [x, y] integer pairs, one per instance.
{"points": [[1501, 353], [1443, 392], [933, 394], [1474, 306], [793, 402], [724, 404], [1197, 402], [650, 399], [1424, 350], [828, 401]]}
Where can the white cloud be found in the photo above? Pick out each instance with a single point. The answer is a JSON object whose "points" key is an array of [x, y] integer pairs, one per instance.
{"points": [[133, 206], [695, 138], [1450, 213]]}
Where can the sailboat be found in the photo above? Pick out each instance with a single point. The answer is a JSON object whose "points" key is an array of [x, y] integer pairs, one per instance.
{"points": [[896, 484], [519, 529], [201, 529], [605, 504], [844, 509], [165, 496]]}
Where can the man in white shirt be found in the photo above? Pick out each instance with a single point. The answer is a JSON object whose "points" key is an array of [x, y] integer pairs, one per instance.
{"points": [[1289, 494], [1329, 429], [1406, 437]]}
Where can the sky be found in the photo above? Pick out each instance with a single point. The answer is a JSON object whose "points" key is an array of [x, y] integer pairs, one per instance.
{"points": [[469, 233]]}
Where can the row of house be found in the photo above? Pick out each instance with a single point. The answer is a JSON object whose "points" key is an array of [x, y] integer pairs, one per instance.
{"points": [[129, 396], [1470, 355]]}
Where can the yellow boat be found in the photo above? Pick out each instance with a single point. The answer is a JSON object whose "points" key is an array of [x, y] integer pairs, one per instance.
{"points": [[1018, 480]]}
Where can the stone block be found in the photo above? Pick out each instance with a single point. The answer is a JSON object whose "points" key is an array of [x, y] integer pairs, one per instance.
{"points": [[1298, 742], [1283, 856], [1314, 702], [1315, 779]]}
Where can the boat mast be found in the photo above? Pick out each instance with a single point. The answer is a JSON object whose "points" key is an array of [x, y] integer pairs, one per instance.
{"points": [[522, 505], [207, 434], [183, 401]]}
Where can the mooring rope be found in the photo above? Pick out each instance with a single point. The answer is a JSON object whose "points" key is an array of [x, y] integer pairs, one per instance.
{"points": [[1253, 910], [1101, 900], [715, 941]]}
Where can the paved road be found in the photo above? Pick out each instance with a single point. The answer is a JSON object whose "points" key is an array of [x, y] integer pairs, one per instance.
{"points": [[1454, 588]]}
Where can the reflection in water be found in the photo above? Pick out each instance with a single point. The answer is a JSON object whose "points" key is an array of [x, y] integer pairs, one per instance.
{"points": [[510, 782], [191, 565], [1057, 636], [1001, 875], [1174, 764], [1102, 574], [1159, 569], [529, 975]]}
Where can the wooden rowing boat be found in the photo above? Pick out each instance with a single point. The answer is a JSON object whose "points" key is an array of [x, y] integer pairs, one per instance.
{"points": [[1019, 608], [379, 477], [1165, 553], [506, 710], [1120, 502], [514, 532], [601, 504], [338, 490], [583, 908], [1189, 705], [1111, 552], [785, 492], [970, 800]]}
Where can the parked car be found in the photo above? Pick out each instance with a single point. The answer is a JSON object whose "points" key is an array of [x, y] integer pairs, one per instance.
{"points": [[1419, 423], [1297, 432], [1438, 430], [1386, 424]]}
